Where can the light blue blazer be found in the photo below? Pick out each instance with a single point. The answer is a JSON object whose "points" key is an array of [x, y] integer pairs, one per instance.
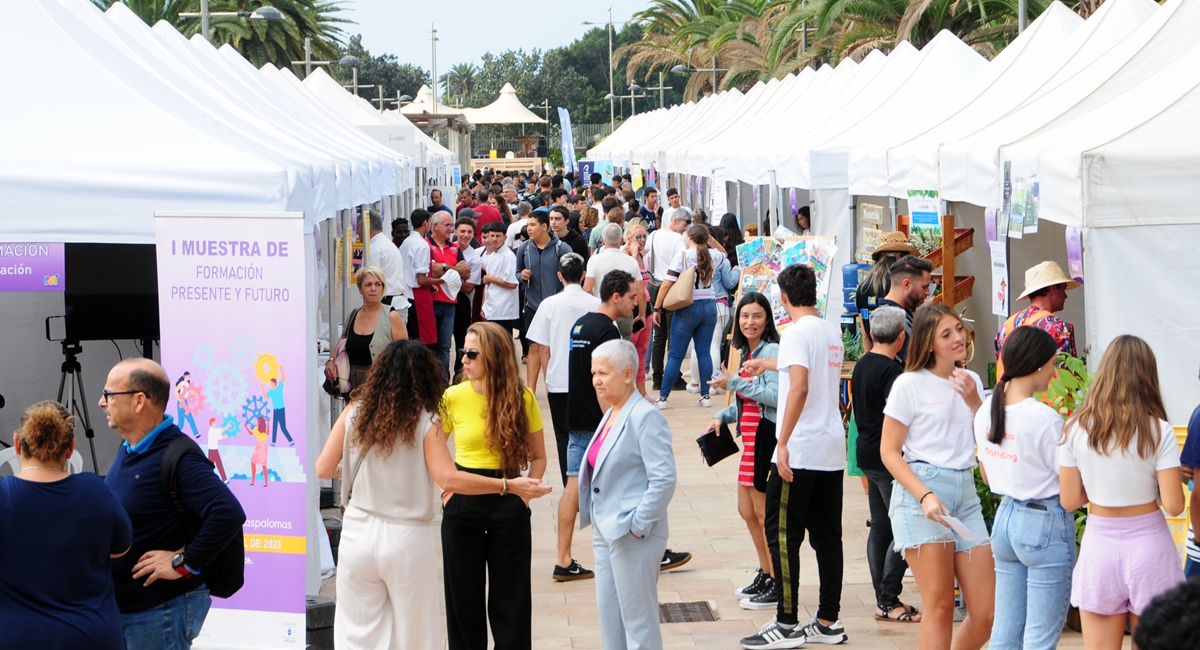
{"points": [[634, 478]]}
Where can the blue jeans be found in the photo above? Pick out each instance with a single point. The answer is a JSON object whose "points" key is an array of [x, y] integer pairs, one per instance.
{"points": [[694, 323], [576, 449], [182, 416], [170, 626], [1033, 543], [444, 313], [955, 488]]}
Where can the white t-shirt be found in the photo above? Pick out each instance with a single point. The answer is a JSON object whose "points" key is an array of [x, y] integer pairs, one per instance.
{"points": [[941, 428], [1124, 478], [415, 251], [1025, 465], [384, 254], [214, 437], [818, 442], [610, 259], [500, 303], [551, 326], [514, 229], [686, 259], [662, 245], [474, 261]]}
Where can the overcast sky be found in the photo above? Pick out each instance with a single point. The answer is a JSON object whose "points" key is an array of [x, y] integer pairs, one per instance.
{"points": [[469, 28]]}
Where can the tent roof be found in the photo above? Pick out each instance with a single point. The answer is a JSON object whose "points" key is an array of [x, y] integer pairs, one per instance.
{"points": [[507, 109], [424, 103]]}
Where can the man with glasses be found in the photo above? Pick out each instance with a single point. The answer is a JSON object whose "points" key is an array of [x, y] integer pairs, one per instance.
{"points": [[159, 583]]}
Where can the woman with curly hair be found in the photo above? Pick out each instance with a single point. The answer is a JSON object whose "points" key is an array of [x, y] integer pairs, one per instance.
{"points": [[486, 540], [389, 463]]}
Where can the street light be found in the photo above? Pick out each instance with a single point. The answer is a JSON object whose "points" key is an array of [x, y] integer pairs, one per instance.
{"points": [[660, 88], [633, 94], [685, 69], [612, 116], [308, 61], [545, 105], [262, 13]]}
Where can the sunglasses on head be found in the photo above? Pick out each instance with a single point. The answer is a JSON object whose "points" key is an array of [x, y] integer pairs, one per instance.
{"points": [[471, 354]]}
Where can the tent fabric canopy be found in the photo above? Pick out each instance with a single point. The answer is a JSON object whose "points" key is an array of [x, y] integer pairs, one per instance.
{"points": [[507, 109], [424, 103]]}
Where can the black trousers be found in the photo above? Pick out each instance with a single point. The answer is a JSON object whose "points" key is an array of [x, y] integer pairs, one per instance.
{"points": [[486, 549], [812, 502], [558, 416], [527, 313], [661, 335], [462, 320], [886, 565]]}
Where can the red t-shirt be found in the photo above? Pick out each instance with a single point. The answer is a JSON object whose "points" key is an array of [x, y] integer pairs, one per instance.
{"points": [[487, 214], [448, 255]]}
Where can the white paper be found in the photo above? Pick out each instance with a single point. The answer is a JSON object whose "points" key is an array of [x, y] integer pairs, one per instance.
{"points": [[1000, 288], [960, 528]]}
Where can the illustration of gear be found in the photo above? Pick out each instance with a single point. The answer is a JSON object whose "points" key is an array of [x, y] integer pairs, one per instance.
{"points": [[192, 399], [266, 367], [254, 408], [242, 350], [226, 388], [231, 425], [203, 357]]}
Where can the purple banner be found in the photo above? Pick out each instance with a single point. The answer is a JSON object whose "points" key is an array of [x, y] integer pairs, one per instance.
{"points": [[1075, 253], [36, 266], [792, 200], [651, 175]]}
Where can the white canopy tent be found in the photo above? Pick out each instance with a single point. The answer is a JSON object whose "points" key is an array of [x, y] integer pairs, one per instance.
{"points": [[507, 109], [424, 103]]}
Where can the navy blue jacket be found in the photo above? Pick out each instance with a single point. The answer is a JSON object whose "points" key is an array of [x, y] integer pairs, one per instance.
{"points": [[136, 479]]}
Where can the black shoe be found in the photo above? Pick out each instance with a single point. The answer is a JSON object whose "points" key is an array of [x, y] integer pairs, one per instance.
{"points": [[573, 572], [672, 560], [814, 632], [655, 386], [680, 384], [768, 598], [760, 582]]}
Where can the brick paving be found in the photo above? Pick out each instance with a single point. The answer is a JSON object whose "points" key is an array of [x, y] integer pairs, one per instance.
{"points": [[705, 522]]}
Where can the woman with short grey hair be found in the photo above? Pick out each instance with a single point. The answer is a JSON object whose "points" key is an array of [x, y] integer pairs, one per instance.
{"points": [[626, 481]]}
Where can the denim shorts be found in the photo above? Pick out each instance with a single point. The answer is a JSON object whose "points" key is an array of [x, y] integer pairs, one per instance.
{"points": [[576, 449], [955, 488]]}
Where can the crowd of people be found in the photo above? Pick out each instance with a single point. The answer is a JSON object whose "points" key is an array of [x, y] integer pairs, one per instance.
{"points": [[470, 306]]}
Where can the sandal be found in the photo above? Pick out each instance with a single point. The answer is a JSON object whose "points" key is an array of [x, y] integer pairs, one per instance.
{"points": [[902, 614]]}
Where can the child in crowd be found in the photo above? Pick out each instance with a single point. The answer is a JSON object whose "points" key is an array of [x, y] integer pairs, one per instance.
{"points": [[500, 295]]}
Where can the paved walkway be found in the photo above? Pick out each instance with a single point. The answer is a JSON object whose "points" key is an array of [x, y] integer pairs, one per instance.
{"points": [[704, 521]]}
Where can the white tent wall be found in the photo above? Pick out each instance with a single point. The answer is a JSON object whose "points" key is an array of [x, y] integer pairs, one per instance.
{"points": [[831, 209], [1132, 279]]}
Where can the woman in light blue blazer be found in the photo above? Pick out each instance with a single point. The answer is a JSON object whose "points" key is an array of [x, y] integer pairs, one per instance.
{"points": [[625, 484]]}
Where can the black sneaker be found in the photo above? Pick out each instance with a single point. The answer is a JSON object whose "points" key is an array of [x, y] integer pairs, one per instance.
{"points": [[760, 582], [656, 386], [672, 560], [573, 572], [768, 598], [815, 632], [774, 636]]}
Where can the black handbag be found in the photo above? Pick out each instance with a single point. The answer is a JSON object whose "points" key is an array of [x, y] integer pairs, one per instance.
{"points": [[716, 448]]}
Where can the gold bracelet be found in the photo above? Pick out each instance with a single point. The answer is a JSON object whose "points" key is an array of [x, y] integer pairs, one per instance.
{"points": [[504, 487]]}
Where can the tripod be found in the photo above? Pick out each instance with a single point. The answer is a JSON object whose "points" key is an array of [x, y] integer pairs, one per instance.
{"points": [[71, 368]]}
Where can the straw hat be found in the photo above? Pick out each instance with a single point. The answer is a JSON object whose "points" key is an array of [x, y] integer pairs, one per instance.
{"points": [[1046, 274], [893, 241]]}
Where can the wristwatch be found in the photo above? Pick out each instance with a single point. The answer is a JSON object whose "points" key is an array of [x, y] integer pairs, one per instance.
{"points": [[181, 568]]}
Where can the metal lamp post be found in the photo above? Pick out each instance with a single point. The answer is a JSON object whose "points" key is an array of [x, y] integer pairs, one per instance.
{"points": [[612, 114], [684, 69], [660, 88], [308, 61], [262, 13]]}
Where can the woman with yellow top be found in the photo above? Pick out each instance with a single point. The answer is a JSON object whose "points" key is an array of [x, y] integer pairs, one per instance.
{"points": [[486, 540]]}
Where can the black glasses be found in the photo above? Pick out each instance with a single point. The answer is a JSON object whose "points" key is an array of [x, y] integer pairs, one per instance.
{"points": [[107, 395], [471, 354]]}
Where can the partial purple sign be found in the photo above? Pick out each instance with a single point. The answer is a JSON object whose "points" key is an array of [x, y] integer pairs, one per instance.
{"points": [[36, 266], [1075, 253]]}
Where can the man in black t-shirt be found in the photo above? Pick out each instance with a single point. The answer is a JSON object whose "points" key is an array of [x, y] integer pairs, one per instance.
{"points": [[871, 383], [910, 286], [584, 411]]}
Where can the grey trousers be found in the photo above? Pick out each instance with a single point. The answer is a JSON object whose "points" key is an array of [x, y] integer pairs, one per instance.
{"points": [[627, 591]]}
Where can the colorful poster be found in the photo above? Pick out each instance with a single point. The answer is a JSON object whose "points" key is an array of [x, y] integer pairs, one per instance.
{"points": [[1016, 210], [924, 208], [232, 313], [752, 252], [456, 175], [35, 266], [1000, 290], [605, 167], [989, 223], [651, 176], [568, 139], [635, 171], [1031, 206], [586, 168], [1075, 253]]}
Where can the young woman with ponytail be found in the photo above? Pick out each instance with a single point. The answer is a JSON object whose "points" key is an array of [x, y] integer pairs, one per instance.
{"points": [[696, 322], [1033, 537]]}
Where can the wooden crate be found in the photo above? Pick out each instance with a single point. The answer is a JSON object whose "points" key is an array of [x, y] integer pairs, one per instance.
{"points": [[964, 286], [964, 239]]}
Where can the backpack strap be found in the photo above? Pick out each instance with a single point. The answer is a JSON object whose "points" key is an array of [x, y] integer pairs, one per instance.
{"points": [[174, 453]]}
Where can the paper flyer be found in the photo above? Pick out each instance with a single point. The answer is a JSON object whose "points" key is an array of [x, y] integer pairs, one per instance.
{"points": [[1075, 253], [1000, 290], [1016, 210], [1006, 200], [720, 200], [797, 253], [924, 209], [752, 252], [635, 171], [989, 223], [234, 345], [1031, 206], [959, 527]]}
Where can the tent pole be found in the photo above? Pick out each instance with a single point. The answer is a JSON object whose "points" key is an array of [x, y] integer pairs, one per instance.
{"points": [[1022, 11]]}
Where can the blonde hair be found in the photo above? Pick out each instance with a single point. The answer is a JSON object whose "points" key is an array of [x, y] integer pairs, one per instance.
{"points": [[1124, 404], [632, 225], [371, 270], [45, 432]]}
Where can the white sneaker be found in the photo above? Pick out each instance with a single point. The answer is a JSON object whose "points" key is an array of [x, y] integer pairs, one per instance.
{"points": [[693, 388], [660, 404], [815, 632], [705, 401]]}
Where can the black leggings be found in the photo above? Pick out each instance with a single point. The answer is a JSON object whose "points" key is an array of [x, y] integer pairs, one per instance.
{"points": [[811, 502]]}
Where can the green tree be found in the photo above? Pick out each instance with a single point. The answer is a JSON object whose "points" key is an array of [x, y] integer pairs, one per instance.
{"points": [[384, 70], [458, 83]]}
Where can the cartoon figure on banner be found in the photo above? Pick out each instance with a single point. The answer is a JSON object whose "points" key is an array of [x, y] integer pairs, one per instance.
{"points": [[269, 372], [215, 433], [1002, 291], [259, 457], [189, 399]]}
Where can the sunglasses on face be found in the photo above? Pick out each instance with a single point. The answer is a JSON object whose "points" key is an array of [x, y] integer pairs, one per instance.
{"points": [[641, 237], [471, 354]]}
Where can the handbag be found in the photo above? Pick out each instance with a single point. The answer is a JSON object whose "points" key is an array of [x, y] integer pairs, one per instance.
{"points": [[680, 295], [717, 445], [341, 361]]}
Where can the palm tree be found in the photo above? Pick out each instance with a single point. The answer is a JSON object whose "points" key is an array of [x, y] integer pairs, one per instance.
{"points": [[679, 32], [260, 41], [459, 82]]}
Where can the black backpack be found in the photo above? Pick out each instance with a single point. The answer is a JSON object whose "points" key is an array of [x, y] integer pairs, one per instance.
{"points": [[225, 575]]}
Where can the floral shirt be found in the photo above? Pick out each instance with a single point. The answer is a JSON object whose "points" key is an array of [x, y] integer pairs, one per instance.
{"points": [[1062, 331]]}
